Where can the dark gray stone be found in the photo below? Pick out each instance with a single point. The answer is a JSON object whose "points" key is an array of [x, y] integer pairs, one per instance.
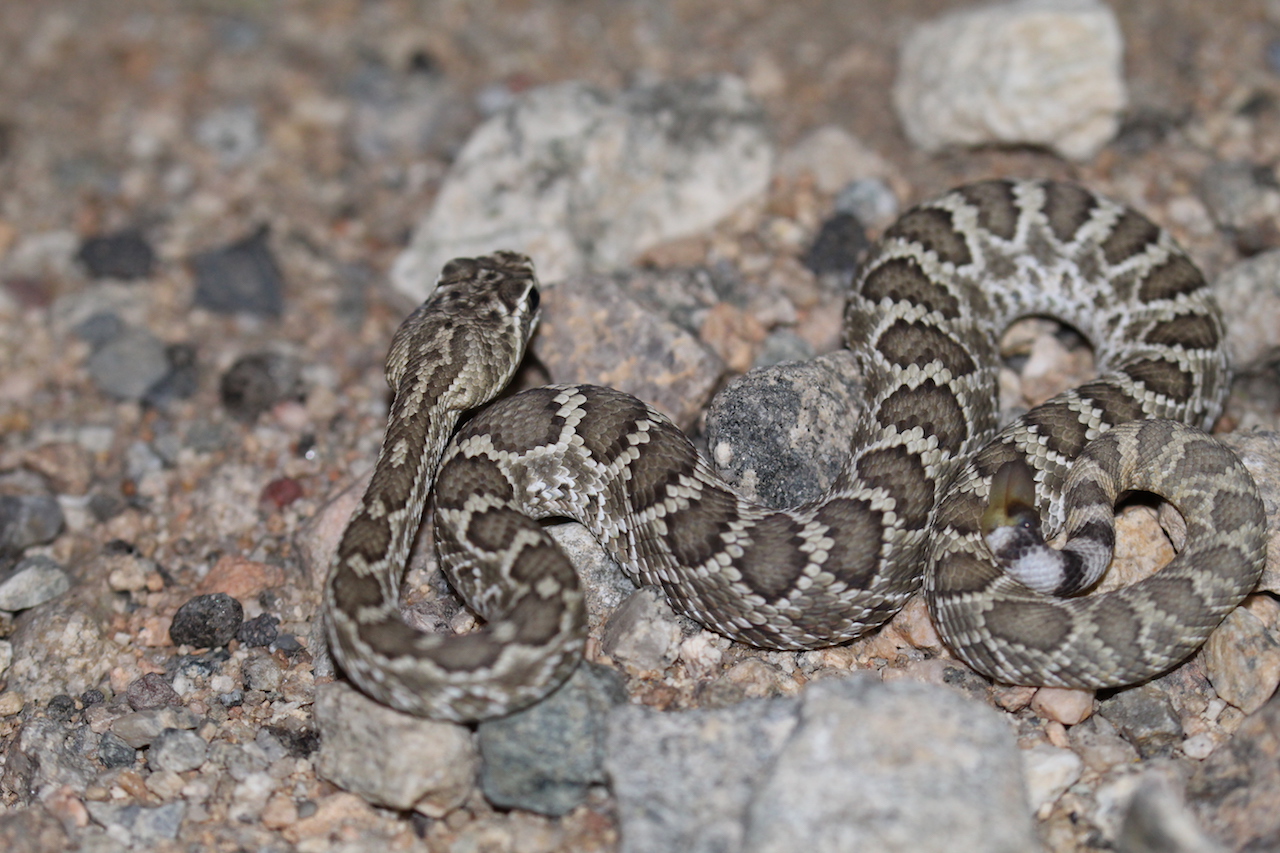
{"points": [[113, 752], [240, 278], [1146, 717], [782, 433], [27, 520], [124, 255], [257, 382], [545, 758], [206, 621]]}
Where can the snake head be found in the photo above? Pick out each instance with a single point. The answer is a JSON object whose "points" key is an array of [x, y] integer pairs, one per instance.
{"points": [[461, 346]]}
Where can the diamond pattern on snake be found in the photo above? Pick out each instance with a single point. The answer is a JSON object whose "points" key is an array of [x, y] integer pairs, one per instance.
{"points": [[932, 495]]}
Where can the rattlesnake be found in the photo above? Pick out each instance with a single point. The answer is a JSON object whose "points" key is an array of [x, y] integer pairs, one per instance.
{"points": [[916, 496]]}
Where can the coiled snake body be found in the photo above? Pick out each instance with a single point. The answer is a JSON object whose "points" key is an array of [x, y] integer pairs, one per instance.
{"points": [[916, 498]]}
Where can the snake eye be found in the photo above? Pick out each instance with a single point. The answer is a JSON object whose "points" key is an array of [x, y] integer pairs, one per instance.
{"points": [[534, 298]]}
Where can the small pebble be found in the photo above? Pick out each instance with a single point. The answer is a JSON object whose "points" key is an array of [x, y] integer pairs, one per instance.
{"points": [[180, 382], [113, 752], [262, 673], [61, 708], [207, 621], [839, 245], [240, 278], [261, 630], [177, 751], [126, 366], [1063, 705], [870, 200], [124, 255], [27, 520], [257, 382], [281, 492], [151, 691], [33, 581], [11, 703]]}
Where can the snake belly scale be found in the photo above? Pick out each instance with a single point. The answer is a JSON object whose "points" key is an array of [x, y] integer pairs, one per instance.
{"points": [[914, 502]]}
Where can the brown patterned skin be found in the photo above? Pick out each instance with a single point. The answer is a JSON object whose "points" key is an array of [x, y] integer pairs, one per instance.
{"points": [[923, 321]]}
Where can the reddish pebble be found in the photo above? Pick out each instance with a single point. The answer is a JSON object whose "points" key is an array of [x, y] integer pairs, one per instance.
{"points": [[281, 492]]}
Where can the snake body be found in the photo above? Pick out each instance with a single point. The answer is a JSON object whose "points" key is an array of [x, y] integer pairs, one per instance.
{"points": [[915, 499]]}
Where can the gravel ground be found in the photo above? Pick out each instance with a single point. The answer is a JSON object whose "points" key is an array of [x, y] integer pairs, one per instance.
{"points": [[202, 206]]}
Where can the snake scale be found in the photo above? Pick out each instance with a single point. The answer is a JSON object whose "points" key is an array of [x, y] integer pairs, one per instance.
{"points": [[932, 490]]}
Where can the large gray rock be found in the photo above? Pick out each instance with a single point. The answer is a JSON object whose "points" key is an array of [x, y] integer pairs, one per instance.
{"points": [[1039, 72], [582, 179], [851, 764]]}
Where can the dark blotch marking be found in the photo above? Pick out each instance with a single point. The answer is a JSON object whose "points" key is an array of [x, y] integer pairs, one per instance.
{"points": [[495, 528], [1178, 597], [538, 618], [1162, 377], [900, 474], [460, 478], [1041, 627], [1130, 236], [905, 344], [962, 512], [1234, 509], [467, 652], [696, 533], [902, 280], [773, 560], [1118, 623], [352, 591], [668, 458], [933, 229], [855, 530], [997, 208], [1190, 331], [1176, 276], [1085, 493], [515, 424], [1067, 207], [960, 572], [1116, 405], [1060, 426], [611, 418], [931, 407]]}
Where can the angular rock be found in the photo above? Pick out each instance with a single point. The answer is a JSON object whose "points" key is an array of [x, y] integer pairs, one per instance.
{"points": [[125, 255], [207, 621], [781, 433], [546, 757], [684, 781], [581, 179], [893, 767], [1249, 293], [643, 634], [177, 751], [392, 759], [33, 581], [1146, 717], [242, 277], [27, 520], [1242, 660], [1235, 790], [851, 764], [1030, 72]]}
